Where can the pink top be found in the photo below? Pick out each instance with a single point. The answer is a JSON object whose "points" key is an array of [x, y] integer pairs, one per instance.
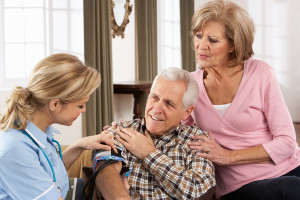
{"points": [[257, 115]]}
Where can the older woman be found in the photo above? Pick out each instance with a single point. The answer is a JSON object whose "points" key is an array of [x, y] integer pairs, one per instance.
{"points": [[252, 138]]}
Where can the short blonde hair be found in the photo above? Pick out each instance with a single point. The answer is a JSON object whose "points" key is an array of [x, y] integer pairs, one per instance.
{"points": [[58, 76], [239, 27]]}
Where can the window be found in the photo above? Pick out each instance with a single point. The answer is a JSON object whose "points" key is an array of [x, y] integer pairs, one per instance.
{"points": [[271, 38], [32, 29], [169, 45]]}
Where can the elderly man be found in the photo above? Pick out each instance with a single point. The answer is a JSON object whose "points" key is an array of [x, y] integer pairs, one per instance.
{"points": [[155, 148]]}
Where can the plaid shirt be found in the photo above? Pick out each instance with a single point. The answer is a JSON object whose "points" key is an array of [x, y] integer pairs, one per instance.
{"points": [[173, 171]]}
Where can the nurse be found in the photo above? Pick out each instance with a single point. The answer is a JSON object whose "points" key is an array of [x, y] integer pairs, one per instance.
{"points": [[58, 90]]}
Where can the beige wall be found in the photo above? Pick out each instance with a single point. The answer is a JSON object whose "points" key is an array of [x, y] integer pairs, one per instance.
{"points": [[123, 56]]}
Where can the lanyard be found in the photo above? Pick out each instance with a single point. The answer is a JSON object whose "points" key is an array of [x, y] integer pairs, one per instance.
{"points": [[59, 150]]}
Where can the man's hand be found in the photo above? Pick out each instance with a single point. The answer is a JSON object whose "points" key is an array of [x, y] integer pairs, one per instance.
{"points": [[138, 144]]}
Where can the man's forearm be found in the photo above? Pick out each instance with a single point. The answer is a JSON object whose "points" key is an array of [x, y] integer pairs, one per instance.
{"points": [[110, 183], [195, 179]]}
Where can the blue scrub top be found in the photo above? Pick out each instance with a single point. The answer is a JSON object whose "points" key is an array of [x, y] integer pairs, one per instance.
{"points": [[24, 171]]}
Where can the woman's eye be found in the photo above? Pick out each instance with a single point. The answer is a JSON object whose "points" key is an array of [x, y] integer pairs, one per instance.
{"points": [[199, 36], [213, 40], [81, 107]]}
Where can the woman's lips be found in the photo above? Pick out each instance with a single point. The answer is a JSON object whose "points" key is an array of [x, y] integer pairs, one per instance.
{"points": [[203, 56]]}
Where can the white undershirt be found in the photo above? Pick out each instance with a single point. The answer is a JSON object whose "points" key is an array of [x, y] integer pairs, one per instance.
{"points": [[221, 109]]}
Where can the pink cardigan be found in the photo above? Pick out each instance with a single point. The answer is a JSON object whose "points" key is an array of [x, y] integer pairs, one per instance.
{"points": [[257, 115]]}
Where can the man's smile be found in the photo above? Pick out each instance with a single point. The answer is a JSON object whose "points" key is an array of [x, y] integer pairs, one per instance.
{"points": [[154, 118]]}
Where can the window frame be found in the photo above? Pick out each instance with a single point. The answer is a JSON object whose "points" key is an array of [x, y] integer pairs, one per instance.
{"points": [[7, 83]]}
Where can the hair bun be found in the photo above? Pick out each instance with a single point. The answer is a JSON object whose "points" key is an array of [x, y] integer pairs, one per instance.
{"points": [[27, 92]]}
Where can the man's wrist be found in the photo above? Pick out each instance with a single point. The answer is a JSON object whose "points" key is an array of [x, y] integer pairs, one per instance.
{"points": [[149, 158], [149, 152]]}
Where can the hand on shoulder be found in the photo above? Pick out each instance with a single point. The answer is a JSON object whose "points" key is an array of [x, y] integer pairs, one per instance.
{"points": [[104, 141]]}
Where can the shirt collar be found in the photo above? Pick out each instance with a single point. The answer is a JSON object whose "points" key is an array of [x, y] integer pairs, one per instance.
{"points": [[38, 135], [174, 131]]}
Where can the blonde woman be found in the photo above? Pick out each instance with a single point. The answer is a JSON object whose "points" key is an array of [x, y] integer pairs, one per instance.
{"points": [[57, 92]]}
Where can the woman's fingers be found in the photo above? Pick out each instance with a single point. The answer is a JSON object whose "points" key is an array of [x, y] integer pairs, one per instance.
{"points": [[205, 149], [104, 147], [203, 155], [106, 127], [196, 143], [109, 140], [200, 137]]}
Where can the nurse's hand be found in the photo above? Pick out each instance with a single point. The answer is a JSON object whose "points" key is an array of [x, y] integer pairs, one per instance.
{"points": [[97, 142], [113, 125]]}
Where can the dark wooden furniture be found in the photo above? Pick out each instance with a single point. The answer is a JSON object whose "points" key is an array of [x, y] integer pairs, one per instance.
{"points": [[137, 88]]}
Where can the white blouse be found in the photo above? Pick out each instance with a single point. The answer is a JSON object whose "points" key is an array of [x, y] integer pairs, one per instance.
{"points": [[221, 109]]}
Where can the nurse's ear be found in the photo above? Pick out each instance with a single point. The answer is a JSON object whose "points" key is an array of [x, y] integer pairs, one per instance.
{"points": [[54, 104]]}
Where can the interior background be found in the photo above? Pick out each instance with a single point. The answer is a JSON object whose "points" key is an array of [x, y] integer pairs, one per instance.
{"points": [[277, 42]]}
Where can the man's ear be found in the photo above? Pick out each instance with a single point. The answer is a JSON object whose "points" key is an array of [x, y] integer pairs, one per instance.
{"points": [[54, 104], [187, 112]]}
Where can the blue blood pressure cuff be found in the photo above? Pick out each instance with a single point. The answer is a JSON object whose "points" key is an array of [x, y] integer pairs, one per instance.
{"points": [[103, 155], [111, 156], [106, 158]]}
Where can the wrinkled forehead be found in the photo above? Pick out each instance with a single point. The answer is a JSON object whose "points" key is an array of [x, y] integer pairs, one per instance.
{"points": [[168, 90]]}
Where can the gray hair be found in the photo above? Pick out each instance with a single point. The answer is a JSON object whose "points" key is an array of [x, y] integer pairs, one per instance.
{"points": [[174, 74]]}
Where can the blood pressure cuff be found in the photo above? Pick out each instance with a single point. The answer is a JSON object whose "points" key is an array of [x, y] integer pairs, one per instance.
{"points": [[103, 155], [109, 157]]}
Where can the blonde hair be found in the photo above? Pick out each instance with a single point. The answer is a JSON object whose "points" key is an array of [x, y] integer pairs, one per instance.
{"points": [[58, 76], [239, 27]]}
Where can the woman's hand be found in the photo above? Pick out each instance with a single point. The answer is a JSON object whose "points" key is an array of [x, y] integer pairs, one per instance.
{"points": [[88, 143], [208, 148], [113, 125], [94, 142]]}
